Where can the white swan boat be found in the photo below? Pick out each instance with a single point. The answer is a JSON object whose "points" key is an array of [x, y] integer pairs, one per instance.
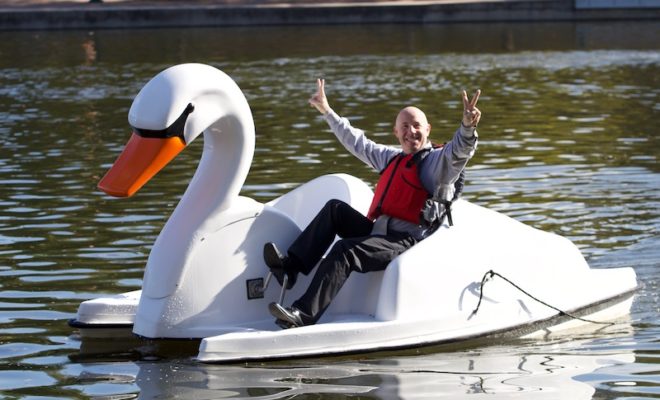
{"points": [[204, 275]]}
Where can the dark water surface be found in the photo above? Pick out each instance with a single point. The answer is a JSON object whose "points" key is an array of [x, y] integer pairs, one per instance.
{"points": [[569, 143]]}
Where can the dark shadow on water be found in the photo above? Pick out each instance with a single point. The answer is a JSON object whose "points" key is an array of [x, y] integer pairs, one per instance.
{"points": [[133, 348]]}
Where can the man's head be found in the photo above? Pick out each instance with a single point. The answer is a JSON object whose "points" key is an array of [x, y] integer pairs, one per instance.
{"points": [[412, 129]]}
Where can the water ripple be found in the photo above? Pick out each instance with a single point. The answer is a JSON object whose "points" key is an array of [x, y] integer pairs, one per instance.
{"points": [[568, 144]]}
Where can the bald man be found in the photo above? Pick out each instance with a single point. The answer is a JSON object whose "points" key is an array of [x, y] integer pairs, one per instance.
{"points": [[397, 219]]}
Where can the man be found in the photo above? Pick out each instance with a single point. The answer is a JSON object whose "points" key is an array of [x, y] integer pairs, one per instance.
{"points": [[409, 177]]}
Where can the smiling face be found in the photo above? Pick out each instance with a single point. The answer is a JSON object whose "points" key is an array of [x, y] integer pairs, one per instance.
{"points": [[412, 129]]}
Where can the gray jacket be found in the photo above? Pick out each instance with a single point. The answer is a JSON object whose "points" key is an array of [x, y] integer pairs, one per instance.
{"points": [[438, 171]]}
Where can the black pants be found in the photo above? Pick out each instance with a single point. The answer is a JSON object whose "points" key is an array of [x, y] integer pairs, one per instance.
{"points": [[357, 250]]}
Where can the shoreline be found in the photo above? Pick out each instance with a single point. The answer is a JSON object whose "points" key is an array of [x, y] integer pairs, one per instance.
{"points": [[124, 14]]}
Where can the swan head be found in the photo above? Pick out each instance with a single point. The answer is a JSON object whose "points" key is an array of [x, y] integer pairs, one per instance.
{"points": [[169, 112]]}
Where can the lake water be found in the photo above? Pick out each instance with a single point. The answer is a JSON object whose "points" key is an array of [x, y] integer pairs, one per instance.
{"points": [[569, 144]]}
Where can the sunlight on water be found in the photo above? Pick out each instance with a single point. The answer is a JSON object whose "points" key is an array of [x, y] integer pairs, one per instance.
{"points": [[568, 144]]}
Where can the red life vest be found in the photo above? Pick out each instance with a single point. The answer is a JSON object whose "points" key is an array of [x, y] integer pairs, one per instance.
{"points": [[399, 191]]}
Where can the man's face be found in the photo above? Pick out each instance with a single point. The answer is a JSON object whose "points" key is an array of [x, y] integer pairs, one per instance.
{"points": [[412, 129]]}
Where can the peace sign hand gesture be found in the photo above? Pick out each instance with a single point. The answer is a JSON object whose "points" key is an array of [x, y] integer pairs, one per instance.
{"points": [[471, 114], [319, 100]]}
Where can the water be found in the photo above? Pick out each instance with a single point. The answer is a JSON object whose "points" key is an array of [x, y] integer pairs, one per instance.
{"points": [[569, 144]]}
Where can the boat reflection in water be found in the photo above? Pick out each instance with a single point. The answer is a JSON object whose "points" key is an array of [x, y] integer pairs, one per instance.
{"points": [[562, 366], [499, 376]]}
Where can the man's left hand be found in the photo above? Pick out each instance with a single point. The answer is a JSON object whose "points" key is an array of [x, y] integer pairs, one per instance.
{"points": [[471, 114]]}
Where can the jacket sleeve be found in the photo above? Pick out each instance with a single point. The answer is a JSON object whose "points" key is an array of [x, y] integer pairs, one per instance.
{"points": [[443, 166], [354, 140]]}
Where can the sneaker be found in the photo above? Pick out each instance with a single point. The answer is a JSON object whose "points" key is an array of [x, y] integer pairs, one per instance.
{"points": [[290, 315], [283, 324], [275, 261]]}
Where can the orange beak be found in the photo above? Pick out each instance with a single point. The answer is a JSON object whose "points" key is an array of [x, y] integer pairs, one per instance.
{"points": [[141, 159]]}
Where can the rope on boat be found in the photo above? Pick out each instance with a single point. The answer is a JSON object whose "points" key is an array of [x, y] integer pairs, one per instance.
{"points": [[490, 274]]}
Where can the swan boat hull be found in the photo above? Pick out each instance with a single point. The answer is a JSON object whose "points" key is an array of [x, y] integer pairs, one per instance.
{"points": [[426, 296]]}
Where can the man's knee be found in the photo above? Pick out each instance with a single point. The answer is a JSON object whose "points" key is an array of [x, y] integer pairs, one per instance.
{"points": [[338, 210], [335, 203]]}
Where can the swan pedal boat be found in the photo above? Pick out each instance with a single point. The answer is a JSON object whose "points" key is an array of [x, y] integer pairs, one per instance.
{"points": [[205, 273]]}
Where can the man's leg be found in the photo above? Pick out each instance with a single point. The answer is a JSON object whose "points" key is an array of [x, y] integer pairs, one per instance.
{"points": [[335, 218], [365, 254]]}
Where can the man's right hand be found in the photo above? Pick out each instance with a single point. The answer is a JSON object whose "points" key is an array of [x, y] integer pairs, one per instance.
{"points": [[318, 100]]}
